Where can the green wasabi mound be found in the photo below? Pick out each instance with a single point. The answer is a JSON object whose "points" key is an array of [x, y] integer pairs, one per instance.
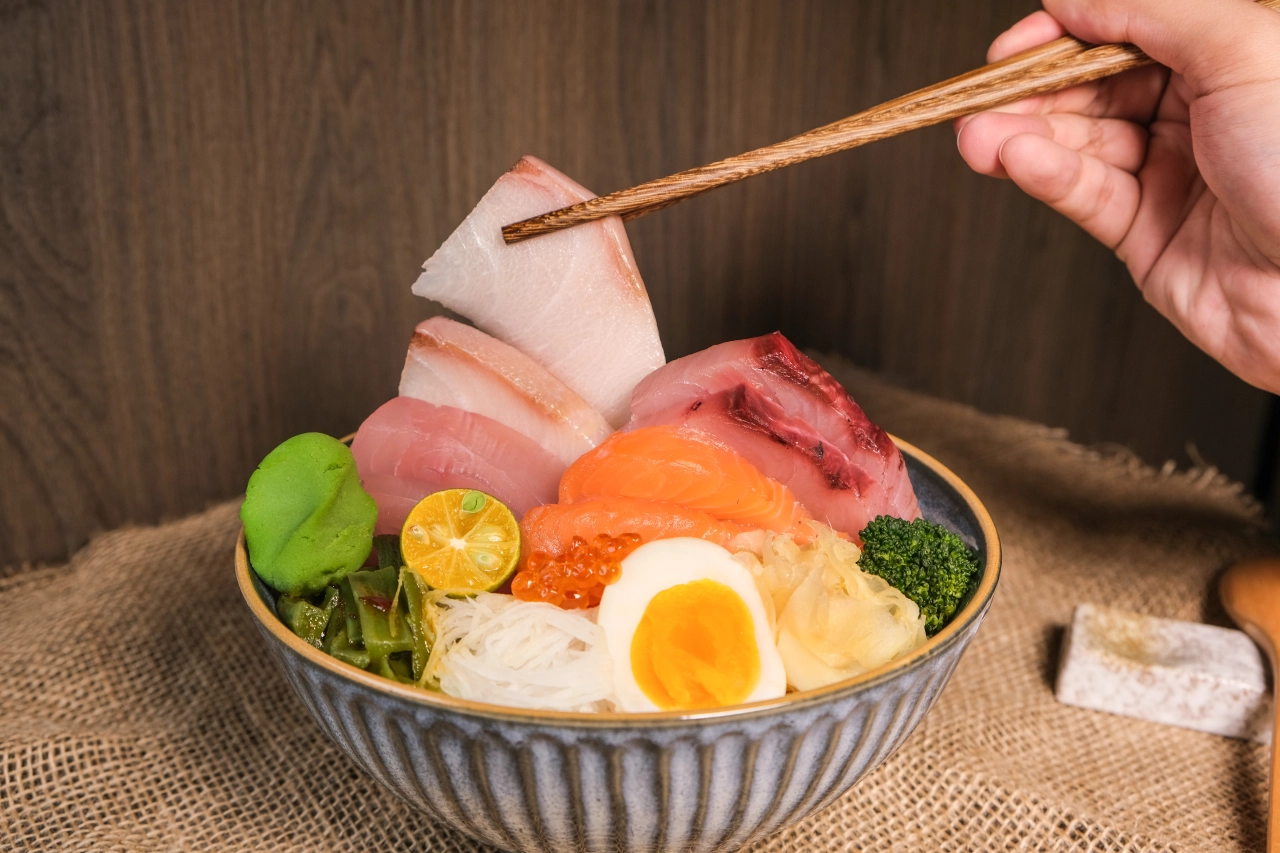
{"points": [[307, 521]]}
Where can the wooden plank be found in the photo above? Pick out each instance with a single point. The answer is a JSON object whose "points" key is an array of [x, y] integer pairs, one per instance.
{"points": [[55, 479], [210, 213]]}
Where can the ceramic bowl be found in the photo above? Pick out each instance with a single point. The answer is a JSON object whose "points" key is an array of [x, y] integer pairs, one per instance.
{"points": [[707, 781]]}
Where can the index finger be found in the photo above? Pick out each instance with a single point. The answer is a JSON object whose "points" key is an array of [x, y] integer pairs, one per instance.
{"points": [[1131, 96], [1032, 31], [1213, 45]]}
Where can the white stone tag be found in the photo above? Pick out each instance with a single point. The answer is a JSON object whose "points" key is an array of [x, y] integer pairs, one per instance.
{"points": [[1180, 673]]}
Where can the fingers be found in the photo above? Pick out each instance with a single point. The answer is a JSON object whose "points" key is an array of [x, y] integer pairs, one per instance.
{"points": [[1116, 143], [1215, 45], [1132, 96], [1036, 29], [1099, 197], [1032, 31]]}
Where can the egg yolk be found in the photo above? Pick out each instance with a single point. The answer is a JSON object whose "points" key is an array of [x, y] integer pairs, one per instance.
{"points": [[695, 647]]}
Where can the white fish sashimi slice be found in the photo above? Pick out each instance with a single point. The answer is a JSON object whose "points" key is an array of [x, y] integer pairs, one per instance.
{"points": [[572, 301], [408, 449], [451, 364]]}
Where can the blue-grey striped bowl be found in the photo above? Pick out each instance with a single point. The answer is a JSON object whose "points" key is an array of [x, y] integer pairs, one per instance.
{"points": [[709, 781]]}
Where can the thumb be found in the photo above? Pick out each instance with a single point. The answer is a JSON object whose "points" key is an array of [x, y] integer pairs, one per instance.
{"points": [[1214, 45]]}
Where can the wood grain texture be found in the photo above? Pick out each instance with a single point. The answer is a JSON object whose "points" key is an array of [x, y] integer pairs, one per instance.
{"points": [[1051, 67], [210, 214]]}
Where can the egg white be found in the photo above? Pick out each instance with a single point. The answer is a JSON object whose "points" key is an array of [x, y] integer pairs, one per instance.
{"points": [[660, 565]]}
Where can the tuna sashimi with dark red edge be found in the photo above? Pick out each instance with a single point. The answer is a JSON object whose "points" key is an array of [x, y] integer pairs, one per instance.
{"points": [[408, 449], [791, 419]]}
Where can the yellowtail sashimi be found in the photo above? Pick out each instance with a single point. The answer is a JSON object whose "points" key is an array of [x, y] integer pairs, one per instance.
{"points": [[573, 301], [791, 419], [451, 364]]}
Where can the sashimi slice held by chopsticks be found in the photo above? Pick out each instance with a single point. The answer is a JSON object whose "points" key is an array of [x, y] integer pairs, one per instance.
{"points": [[408, 449], [573, 302], [452, 364]]}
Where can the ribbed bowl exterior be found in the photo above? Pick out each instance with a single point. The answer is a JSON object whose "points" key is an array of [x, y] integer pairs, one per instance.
{"points": [[698, 785], [712, 781]]}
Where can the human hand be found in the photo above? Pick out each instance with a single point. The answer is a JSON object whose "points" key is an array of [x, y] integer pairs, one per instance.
{"points": [[1177, 171]]}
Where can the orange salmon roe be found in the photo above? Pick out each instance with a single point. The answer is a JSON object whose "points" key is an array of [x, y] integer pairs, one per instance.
{"points": [[577, 578]]}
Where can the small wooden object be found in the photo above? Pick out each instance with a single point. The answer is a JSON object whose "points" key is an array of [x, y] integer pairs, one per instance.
{"points": [[1051, 67], [1251, 594]]}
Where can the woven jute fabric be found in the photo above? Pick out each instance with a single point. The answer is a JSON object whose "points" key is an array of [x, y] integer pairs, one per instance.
{"points": [[139, 709]]}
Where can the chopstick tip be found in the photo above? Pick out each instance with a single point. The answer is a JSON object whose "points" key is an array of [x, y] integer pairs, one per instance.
{"points": [[518, 231]]}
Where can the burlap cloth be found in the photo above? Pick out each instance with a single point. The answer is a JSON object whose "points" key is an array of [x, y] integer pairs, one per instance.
{"points": [[139, 709]]}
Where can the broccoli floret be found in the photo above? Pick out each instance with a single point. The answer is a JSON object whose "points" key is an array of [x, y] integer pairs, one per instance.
{"points": [[928, 563]]}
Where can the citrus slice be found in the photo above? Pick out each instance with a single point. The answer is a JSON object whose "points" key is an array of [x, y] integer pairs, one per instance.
{"points": [[461, 540]]}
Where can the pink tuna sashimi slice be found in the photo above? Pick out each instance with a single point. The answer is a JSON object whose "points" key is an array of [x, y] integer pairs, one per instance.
{"points": [[572, 301], [451, 364], [408, 449], [772, 367]]}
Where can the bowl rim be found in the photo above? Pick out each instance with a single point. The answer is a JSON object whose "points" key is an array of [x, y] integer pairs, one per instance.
{"points": [[935, 645]]}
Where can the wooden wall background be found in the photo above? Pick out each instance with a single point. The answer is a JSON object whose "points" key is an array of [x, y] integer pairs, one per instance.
{"points": [[210, 213]]}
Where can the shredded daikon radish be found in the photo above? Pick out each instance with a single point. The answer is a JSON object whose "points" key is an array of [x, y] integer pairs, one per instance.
{"points": [[834, 621], [495, 648]]}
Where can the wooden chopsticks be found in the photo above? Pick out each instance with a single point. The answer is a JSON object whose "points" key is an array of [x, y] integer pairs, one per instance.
{"points": [[1051, 67]]}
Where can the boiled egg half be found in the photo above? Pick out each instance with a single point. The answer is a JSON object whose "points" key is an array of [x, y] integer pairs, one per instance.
{"points": [[687, 630]]}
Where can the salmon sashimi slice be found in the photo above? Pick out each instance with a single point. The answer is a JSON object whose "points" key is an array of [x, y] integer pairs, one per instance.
{"points": [[452, 364], [686, 467], [572, 301], [805, 394], [837, 492], [408, 449], [551, 528]]}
